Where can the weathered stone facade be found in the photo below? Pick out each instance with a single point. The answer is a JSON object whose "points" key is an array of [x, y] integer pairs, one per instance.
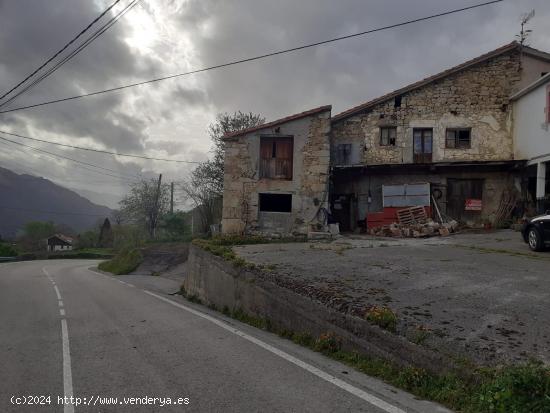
{"points": [[308, 186], [477, 98]]}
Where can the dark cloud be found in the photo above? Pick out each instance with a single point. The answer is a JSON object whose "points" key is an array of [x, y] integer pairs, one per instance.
{"points": [[170, 119]]}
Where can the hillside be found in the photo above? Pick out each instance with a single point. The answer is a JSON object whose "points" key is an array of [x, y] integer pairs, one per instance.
{"points": [[26, 198]]}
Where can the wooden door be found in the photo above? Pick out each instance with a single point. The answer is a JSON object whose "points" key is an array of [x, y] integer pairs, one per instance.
{"points": [[458, 191]]}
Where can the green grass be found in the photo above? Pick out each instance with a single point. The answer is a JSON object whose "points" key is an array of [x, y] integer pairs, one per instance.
{"points": [[123, 263]]}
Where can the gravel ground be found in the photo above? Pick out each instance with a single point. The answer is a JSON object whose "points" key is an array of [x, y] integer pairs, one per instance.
{"points": [[485, 296]]}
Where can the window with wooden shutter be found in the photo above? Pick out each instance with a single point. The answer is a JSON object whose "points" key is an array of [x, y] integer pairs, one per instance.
{"points": [[276, 155]]}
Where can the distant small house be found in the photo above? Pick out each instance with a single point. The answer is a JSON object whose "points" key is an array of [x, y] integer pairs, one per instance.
{"points": [[59, 242]]}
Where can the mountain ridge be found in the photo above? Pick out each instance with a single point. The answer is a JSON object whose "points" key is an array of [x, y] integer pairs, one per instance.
{"points": [[25, 198]]}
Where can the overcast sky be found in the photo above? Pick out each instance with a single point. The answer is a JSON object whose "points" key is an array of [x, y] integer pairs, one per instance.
{"points": [[162, 37]]}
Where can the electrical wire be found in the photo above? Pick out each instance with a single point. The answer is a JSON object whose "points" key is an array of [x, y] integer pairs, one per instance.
{"points": [[61, 50], [126, 178], [90, 39], [99, 150], [236, 62]]}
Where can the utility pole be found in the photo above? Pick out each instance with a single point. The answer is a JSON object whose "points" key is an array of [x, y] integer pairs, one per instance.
{"points": [[155, 211], [171, 197]]}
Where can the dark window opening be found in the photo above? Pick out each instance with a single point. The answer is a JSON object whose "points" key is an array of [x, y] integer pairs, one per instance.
{"points": [[458, 139], [276, 154], [388, 136], [343, 154], [275, 202], [397, 102]]}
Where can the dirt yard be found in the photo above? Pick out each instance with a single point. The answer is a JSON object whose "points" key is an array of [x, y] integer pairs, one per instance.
{"points": [[484, 296]]}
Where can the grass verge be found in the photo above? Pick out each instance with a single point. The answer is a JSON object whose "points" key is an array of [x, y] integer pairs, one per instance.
{"points": [[124, 262], [511, 389]]}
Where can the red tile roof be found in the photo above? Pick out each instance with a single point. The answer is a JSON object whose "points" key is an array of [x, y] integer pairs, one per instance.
{"points": [[497, 52], [279, 121]]}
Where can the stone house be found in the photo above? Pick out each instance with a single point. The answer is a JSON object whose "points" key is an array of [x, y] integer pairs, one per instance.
{"points": [[446, 138], [531, 120], [276, 176], [451, 132]]}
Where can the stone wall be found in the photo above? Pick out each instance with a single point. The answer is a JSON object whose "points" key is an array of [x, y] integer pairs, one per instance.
{"points": [[476, 98], [311, 160], [217, 282]]}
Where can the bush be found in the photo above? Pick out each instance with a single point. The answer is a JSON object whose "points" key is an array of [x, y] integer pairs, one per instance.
{"points": [[7, 250], [127, 237], [123, 263], [383, 317]]}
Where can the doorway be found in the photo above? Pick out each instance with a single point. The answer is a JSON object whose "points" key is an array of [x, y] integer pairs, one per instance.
{"points": [[460, 190]]}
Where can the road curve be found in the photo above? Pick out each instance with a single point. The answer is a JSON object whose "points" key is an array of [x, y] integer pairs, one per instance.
{"points": [[68, 331]]}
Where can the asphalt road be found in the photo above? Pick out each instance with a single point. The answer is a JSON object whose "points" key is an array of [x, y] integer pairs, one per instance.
{"points": [[68, 331]]}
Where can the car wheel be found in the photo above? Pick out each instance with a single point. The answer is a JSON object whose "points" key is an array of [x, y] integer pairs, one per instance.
{"points": [[534, 240]]}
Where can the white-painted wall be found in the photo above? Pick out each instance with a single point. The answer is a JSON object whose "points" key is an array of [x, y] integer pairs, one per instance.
{"points": [[531, 132]]}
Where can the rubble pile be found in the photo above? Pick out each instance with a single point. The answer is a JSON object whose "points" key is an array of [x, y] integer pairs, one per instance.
{"points": [[428, 228]]}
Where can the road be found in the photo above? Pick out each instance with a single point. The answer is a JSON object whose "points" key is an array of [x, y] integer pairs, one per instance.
{"points": [[68, 331]]}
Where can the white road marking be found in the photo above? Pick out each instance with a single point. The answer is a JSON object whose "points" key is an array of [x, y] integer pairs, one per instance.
{"points": [[67, 373], [369, 398], [57, 292]]}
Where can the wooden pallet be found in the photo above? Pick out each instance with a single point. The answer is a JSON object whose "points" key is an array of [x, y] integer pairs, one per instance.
{"points": [[412, 215]]}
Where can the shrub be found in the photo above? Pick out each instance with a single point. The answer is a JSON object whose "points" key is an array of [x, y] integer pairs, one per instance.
{"points": [[7, 250], [383, 317], [123, 263]]}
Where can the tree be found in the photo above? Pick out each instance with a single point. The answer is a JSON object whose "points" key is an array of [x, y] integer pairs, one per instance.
{"points": [[205, 187], [106, 235], [145, 204], [34, 232], [211, 171], [175, 224]]}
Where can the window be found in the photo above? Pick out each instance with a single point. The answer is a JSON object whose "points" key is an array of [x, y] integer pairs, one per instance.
{"points": [[422, 145], [388, 136], [276, 154], [458, 138], [343, 154], [548, 104], [275, 202], [397, 102]]}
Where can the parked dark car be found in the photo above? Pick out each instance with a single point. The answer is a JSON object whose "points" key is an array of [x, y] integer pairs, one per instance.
{"points": [[536, 232]]}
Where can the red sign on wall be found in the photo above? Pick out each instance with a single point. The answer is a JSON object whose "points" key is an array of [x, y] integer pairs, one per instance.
{"points": [[473, 205]]}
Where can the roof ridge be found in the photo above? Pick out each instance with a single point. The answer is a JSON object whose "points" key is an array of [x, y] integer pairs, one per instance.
{"points": [[279, 121], [447, 72]]}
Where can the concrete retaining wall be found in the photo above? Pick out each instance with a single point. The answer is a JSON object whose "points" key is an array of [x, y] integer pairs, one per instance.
{"points": [[218, 282]]}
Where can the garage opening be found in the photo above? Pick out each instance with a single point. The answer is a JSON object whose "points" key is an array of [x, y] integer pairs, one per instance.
{"points": [[275, 202]]}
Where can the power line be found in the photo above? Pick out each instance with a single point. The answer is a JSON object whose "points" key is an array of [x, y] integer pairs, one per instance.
{"points": [[99, 150], [61, 50], [235, 62], [51, 212], [89, 40], [38, 175], [126, 178]]}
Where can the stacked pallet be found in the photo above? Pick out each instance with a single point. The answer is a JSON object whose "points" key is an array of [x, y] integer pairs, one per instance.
{"points": [[414, 223]]}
